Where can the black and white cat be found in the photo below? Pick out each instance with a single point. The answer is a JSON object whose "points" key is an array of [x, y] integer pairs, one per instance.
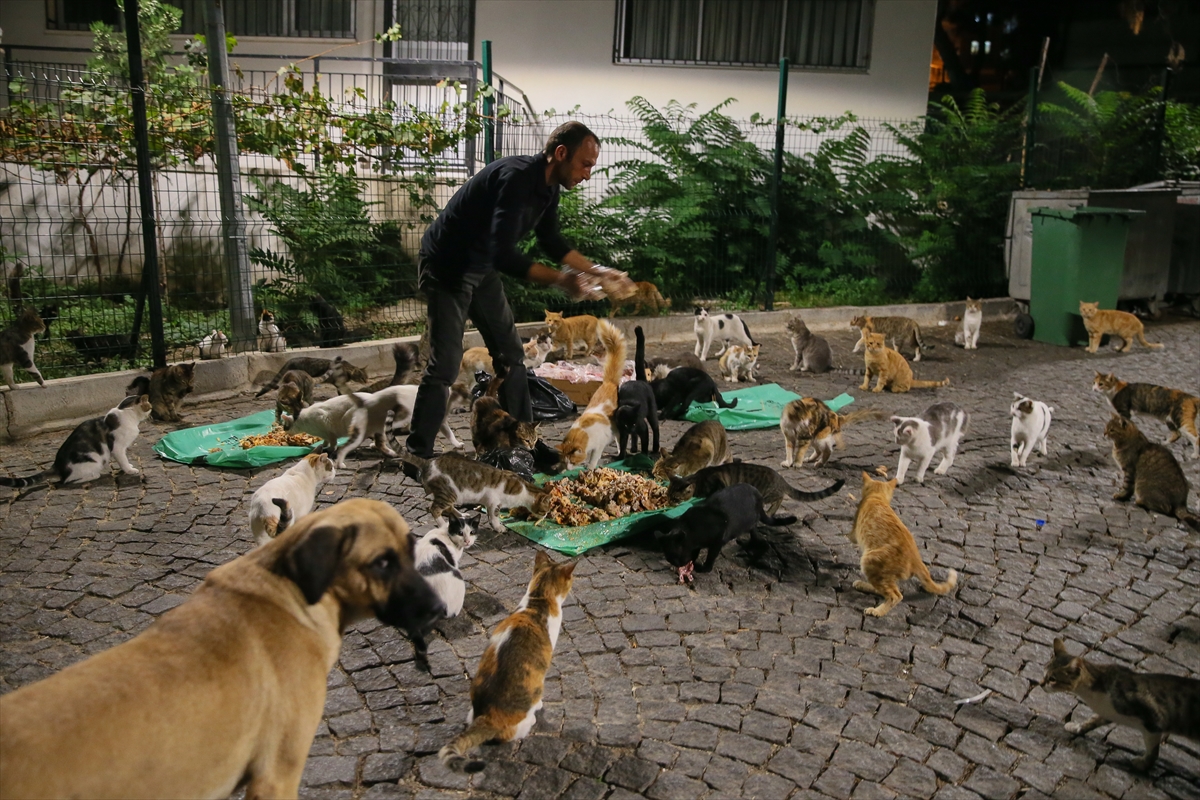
{"points": [[437, 557], [723, 328], [86, 453], [937, 430], [1030, 427]]}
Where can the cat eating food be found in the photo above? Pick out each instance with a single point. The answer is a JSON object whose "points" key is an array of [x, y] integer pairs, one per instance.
{"points": [[812, 351], [702, 445], [592, 432], [16, 347], [724, 328], [1030, 427], [451, 480], [889, 368], [1150, 474], [683, 386], [1115, 323], [937, 431], [1179, 410]]}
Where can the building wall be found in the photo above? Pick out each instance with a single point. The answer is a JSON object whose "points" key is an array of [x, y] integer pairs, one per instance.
{"points": [[560, 54]]}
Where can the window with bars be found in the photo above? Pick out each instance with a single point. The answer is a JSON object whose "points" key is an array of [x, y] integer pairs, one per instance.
{"points": [[436, 29], [831, 34], [333, 19]]}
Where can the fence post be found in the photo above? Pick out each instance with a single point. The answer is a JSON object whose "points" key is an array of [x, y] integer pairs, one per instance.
{"points": [[238, 291], [1030, 129], [776, 179], [141, 134], [489, 106]]}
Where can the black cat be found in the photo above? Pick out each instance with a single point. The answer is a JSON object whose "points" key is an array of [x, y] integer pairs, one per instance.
{"points": [[637, 410], [102, 346], [724, 516], [332, 325], [682, 387]]}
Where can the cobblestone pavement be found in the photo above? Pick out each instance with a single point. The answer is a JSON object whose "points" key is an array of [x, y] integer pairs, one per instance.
{"points": [[765, 680]]}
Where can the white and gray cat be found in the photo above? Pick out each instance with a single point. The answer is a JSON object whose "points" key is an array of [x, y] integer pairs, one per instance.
{"points": [[16, 346], [938, 430], [1030, 427], [86, 453], [812, 351]]}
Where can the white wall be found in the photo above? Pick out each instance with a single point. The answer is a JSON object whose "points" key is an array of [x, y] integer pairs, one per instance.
{"points": [[560, 53]]}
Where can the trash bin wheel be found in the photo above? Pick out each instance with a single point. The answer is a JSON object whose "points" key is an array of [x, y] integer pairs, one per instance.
{"points": [[1023, 326]]}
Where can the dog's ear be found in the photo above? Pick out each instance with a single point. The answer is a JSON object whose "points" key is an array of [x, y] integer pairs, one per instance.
{"points": [[313, 561]]}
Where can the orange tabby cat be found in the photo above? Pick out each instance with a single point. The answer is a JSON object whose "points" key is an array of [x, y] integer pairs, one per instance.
{"points": [[889, 552], [647, 296], [1115, 323], [890, 368], [507, 690], [568, 330]]}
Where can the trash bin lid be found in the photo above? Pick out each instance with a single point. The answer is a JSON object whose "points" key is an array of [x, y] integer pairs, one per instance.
{"points": [[1085, 211]]}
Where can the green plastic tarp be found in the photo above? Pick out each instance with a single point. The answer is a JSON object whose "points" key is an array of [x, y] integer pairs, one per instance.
{"points": [[758, 407], [219, 445], [573, 541]]}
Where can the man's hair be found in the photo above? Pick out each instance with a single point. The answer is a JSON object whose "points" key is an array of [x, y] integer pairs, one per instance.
{"points": [[570, 135]]}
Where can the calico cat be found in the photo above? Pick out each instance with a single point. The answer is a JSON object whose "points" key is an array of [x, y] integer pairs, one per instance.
{"points": [[536, 350], [902, 331], [972, 321], [724, 328], [167, 387], [808, 421], [724, 516], [451, 480], [594, 429], [337, 372], [1150, 474], [770, 484], [637, 410], [437, 557], [86, 453], [739, 363], [812, 351], [702, 445], [213, 345], [295, 394], [1030, 427], [1114, 323], [889, 552], [661, 366], [16, 346], [1179, 410], [937, 430], [506, 692], [94, 349], [890, 368], [405, 356], [684, 386], [566, 331], [493, 427], [1154, 703], [270, 340], [646, 296], [294, 493]]}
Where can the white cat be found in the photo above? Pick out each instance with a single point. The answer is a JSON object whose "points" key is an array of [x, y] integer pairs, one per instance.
{"points": [[289, 497], [1030, 426], [213, 345], [968, 336], [536, 350], [724, 328], [270, 340], [937, 430], [739, 362]]}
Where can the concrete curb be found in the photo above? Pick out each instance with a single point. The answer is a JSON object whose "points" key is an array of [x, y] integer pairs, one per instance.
{"points": [[65, 402]]}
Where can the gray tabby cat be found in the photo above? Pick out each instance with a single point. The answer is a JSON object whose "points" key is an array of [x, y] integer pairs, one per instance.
{"points": [[812, 351], [16, 346], [1150, 473], [452, 480], [769, 483], [1155, 704]]}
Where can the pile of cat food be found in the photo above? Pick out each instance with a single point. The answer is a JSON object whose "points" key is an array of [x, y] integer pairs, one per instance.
{"points": [[600, 495], [278, 437]]}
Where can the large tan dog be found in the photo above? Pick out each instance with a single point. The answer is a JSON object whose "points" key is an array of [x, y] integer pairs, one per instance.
{"points": [[228, 688]]}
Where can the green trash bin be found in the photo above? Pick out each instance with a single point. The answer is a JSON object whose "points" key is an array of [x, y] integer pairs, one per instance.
{"points": [[1078, 254]]}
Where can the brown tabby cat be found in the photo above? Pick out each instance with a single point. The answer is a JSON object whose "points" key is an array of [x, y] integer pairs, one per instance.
{"points": [[902, 331], [1115, 323], [569, 330], [451, 479], [702, 445], [890, 368], [889, 552], [167, 387], [16, 347], [646, 296], [492, 427], [506, 692], [1179, 410], [1155, 704], [808, 421], [1151, 475]]}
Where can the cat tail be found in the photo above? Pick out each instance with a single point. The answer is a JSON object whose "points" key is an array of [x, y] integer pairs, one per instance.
{"points": [[932, 586], [920, 342], [1183, 515], [808, 497], [848, 370], [746, 328], [454, 755], [138, 386], [639, 357], [32, 480], [418, 462], [614, 352], [406, 358], [916, 384], [285, 515], [782, 519], [1141, 337], [271, 384]]}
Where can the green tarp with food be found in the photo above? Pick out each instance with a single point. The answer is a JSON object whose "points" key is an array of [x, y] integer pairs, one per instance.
{"points": [[220, 444]]}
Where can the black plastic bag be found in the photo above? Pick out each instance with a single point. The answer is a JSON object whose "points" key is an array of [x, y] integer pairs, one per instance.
{"points": [[514, 459], [548, 402]]}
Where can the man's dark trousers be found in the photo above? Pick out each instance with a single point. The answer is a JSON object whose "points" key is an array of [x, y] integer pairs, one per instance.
{"points": [[480, 296]]}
